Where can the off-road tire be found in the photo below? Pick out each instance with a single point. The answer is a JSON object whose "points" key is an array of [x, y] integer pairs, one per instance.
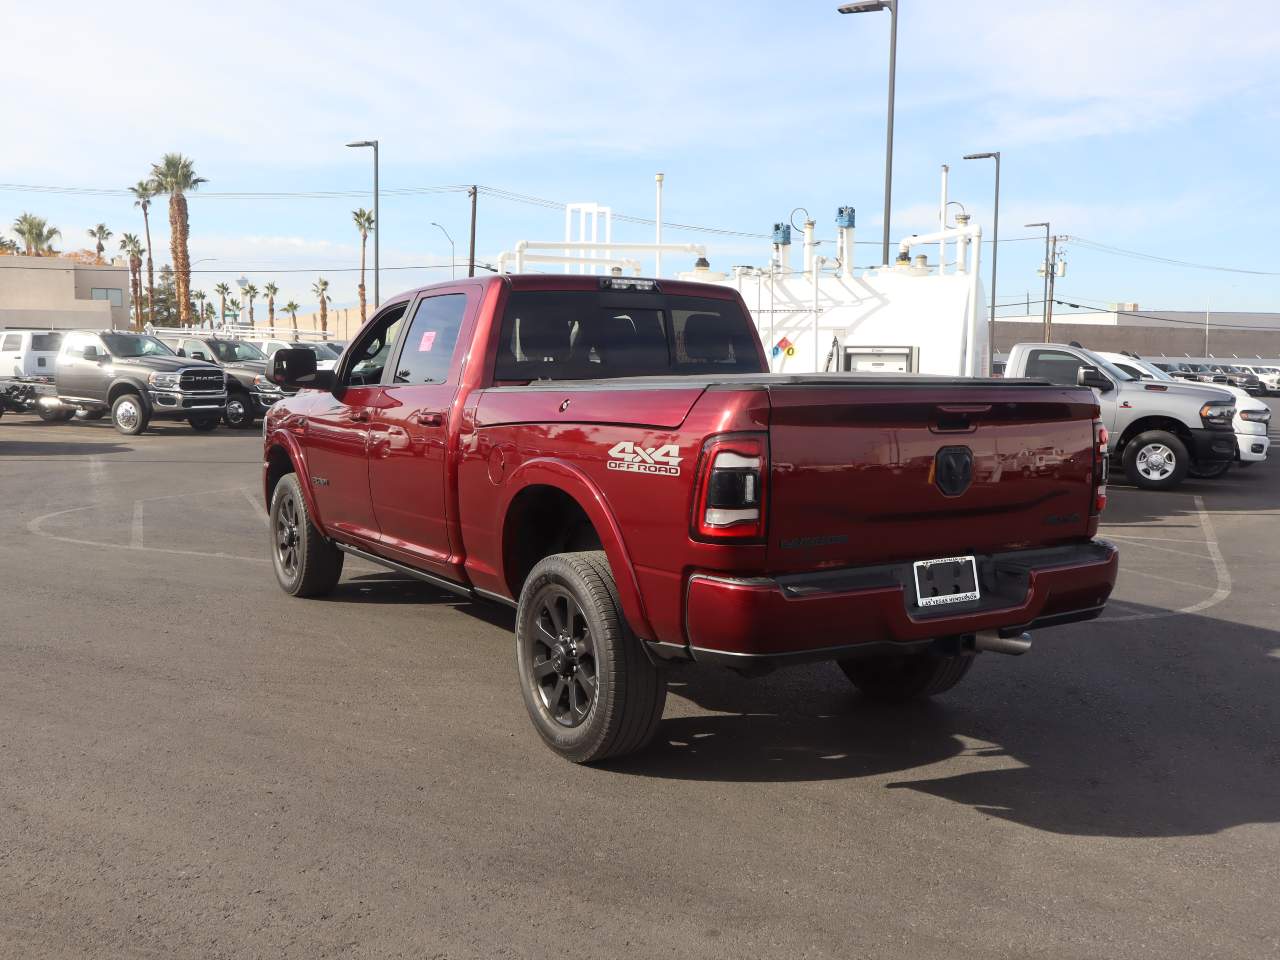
{"points": [[133, 424], [317, 562], [629, 690], [1151, 440], [897, 679]]}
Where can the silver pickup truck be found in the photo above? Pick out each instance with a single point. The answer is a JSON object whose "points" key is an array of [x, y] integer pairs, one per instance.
{"points": [[1158, 430]]}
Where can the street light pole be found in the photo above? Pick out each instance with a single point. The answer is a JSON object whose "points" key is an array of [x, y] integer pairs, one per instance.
{"points": [[377, 219], [995, 253], [1047, 267], [453, 259], [874, 6]]}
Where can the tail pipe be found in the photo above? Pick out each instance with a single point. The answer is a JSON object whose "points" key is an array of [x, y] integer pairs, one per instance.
{"points": [[992, 642]]}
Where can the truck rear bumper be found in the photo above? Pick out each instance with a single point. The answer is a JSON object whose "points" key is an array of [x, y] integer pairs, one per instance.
{"points": [[867, 610]]}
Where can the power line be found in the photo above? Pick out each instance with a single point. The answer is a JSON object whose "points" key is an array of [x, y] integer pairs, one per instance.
{"points": [[1171, 261], [1191, 323]]}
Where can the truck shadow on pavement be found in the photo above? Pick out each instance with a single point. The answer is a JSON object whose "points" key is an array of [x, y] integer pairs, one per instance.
{"points": [[1160, 728]]}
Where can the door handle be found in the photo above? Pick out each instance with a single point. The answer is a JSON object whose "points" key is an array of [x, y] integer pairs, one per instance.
{"points": [[358, 416], [429, 419]]}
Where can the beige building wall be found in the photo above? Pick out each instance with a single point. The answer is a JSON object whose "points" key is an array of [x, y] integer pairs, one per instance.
{"points": [[56, 293]]}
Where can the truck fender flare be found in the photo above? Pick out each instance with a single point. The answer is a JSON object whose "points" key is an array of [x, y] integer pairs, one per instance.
{"points": [[134, 386], [283, 440], [573, 482]]}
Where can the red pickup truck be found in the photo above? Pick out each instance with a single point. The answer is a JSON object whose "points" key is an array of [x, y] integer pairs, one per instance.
{"points": [[611, 457]]}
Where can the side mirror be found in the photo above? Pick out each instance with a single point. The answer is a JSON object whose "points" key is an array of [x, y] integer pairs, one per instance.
{"points": [[1088, 376], [295, 369], [198, 355], [89, 353], [180, 352]]}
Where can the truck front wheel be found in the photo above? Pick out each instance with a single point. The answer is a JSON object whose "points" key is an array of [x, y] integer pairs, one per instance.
{"points": [[590, 689], [129, 414], [897, 679], [1156, 460], [306, 564]]}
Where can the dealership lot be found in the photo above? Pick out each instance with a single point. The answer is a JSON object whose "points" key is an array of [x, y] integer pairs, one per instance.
{"points": [[196, 765]]}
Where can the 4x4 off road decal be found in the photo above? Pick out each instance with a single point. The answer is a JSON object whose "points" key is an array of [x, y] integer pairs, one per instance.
{"points": [[633, 458]]}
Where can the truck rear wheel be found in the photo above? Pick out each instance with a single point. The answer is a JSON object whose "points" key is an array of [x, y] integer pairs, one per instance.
{"points": [[129, 414], [590, 689], [1207, 471], [54, 414], [1156, 460], [306, 564], [903, 677]]}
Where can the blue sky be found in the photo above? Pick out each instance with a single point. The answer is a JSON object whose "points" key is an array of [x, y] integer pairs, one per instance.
{"points": [[1150, 126]]}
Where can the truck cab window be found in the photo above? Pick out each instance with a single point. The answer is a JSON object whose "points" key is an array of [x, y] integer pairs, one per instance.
{"points": [[1056, 366], [427, 351], [371, 352]]}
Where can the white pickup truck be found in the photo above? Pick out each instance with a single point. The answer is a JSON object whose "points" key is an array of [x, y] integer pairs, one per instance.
{"points": [[1158, 430], [1252, 420]]}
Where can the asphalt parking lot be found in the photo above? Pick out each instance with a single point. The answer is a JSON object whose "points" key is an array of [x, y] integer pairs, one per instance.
{"points": [[193, 764]]}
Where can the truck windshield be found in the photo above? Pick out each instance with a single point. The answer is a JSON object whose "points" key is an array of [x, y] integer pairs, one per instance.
{"points": [[230, 351], [134, 345], [598, 334]]}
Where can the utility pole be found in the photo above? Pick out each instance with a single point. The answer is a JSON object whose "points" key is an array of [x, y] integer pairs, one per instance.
{"points": [[1046, 268], [471, 259], [1048, 300]]}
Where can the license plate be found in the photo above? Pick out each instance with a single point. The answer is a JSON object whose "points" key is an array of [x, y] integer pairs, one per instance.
{"points": [[946, 580]]}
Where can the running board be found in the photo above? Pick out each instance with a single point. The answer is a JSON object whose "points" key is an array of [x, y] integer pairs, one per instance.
{"points": [[442, 582]]}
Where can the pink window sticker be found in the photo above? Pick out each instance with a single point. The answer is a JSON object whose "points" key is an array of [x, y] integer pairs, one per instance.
{"points": [[427, 342]]}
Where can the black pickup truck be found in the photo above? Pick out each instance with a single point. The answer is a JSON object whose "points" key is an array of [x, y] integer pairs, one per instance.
{"points": [[134, 377], [249, 393]]}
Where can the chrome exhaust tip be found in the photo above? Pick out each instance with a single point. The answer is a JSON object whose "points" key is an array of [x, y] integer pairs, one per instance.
{"points": [[991, 642]]}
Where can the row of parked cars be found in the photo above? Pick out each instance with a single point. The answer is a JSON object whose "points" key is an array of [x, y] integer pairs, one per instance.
{"points": [[1163, 427], [174, 374], [1257, 380]]}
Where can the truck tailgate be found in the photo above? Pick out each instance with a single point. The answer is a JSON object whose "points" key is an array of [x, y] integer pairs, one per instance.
{"points": [[857, 475]]}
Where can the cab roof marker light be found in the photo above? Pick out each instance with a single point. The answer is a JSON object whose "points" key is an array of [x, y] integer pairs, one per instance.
{"points": [[629, 283]]}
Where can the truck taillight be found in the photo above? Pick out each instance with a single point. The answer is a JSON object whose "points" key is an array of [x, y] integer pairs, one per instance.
{"points": [[729, 501], [1100, 468]]}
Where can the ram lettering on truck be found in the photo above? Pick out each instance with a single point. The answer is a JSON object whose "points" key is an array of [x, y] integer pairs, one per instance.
{"points": [[610, 457]]}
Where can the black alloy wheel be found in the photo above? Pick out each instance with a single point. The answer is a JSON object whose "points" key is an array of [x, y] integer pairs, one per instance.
{"points": [[564, 658]]}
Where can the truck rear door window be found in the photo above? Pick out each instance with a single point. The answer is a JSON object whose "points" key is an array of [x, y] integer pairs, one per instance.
{"points": [[427, 351], [49, 342], [588, 335]]}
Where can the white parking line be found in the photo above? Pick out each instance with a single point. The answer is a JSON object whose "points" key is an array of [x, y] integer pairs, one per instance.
{"points": [[256, 504], [135, 531], [1221, 591]]}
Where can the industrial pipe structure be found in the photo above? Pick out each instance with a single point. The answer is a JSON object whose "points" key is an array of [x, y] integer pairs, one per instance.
{"points": [[973, 233]]}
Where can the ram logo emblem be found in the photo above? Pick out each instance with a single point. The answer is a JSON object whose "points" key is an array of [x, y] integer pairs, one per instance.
{"points": [[953, 470]]}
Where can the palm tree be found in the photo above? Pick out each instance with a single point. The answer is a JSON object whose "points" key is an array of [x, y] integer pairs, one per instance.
{"points": [[198, 297], [36, 234], [8, 246], [222, 290], [270, 289], [101, 234], [292, 308], [176, 176], [249, 291], [364, 223], [321, 289], [142, 192], [132, 248], [234, 304], [209, 313]]}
